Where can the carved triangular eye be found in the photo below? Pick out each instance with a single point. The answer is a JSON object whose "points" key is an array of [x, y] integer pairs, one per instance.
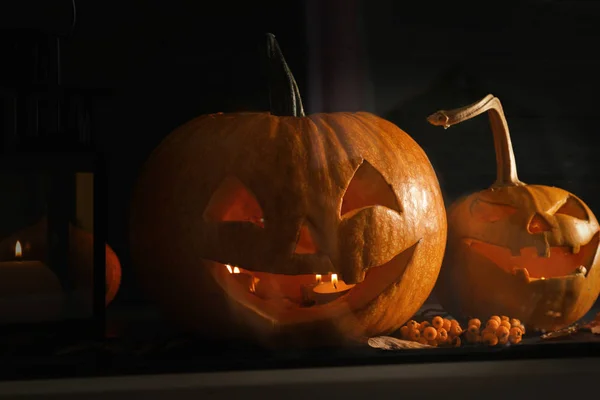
{"points": [[305, 243], [573, 208], [368, 188], [233, 201]]}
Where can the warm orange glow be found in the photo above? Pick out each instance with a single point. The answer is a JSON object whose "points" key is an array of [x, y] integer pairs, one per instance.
{"points": [[318, 278], [18, 250], [334, 280], [236, 270], [229, 268]]}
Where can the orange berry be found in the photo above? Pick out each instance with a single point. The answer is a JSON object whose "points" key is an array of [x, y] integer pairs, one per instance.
{"points": [[433, 343], [455, 342], [490, 328], [414, 334], [422, 340], [497, 318], [493, 324], [424, 325], [506, 324], [404, 332], [516, 332], [455, 330], [447, 324], [474, 321], [430, 333], [454, 322], [503, 340], [523, 329], [515, 322], [502, 333], [437, 322], [504, 318], [490, 339], [412, 324], [473, 330], [442, 335], [514, 339]]}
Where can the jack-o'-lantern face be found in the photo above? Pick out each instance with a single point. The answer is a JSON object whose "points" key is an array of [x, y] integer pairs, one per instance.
{"points": [[527, 251], [537, 231], [235, 216], [227, 231]]}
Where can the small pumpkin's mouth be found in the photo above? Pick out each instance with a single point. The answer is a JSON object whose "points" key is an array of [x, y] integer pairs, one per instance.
{"points": [[282, 298], [532, 264]]}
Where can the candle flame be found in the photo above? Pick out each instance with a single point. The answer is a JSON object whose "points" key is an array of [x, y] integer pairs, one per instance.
{"points": [[18, 250], [334, 280], [236, 270], [318, 278], [229, 268]]}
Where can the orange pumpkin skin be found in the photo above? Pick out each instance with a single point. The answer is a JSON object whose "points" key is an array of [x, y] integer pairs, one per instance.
{"points": [[81, 255], [528, 251], [364, 188], [480, 276]]}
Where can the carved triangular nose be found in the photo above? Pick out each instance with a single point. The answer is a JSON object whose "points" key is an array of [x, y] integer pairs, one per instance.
{"points": [[306, 243], [538, 224]]}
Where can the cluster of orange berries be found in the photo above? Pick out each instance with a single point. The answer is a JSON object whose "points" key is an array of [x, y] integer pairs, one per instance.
{"points": [[440, 332], [497, 330]]}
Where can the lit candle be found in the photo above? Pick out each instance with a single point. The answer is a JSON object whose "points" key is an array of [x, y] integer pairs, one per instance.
{"points": [[245, 279], [307, 291], [29, 291], [326, 292]]}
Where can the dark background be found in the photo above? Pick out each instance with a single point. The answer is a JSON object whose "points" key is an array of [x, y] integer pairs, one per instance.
{"points": [[166, 62]]}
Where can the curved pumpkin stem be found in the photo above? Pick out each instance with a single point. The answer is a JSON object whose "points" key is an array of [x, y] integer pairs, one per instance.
{"points": [[284, 95], [506, 168]]}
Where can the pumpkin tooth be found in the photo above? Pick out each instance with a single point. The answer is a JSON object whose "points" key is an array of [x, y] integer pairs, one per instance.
{"points": [[581, 270], [522, 274], [543, 250], [575, 248]]}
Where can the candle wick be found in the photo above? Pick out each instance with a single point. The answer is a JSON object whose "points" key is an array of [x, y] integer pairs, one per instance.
{"points": [[335, 285]]}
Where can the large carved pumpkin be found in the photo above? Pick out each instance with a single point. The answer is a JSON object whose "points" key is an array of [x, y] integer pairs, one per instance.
{"points": [[280, 197], [528, 251], [81, 256]]}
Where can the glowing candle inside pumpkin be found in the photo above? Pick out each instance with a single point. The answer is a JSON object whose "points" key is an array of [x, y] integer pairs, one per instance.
{"points": [[329, 291], [334, 280], [246, 279], [318, 278]]}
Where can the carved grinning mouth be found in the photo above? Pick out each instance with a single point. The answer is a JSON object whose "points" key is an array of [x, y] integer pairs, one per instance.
{"points": [[533, 264], [285, 303]]}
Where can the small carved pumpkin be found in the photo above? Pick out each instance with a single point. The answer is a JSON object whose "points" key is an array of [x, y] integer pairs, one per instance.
{"points": [[81, 256], [281, 197], [528, 251]]}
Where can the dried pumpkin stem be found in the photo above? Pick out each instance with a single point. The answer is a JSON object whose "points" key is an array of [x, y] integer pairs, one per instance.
{"points": [[284, 95], [506, 167]]}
